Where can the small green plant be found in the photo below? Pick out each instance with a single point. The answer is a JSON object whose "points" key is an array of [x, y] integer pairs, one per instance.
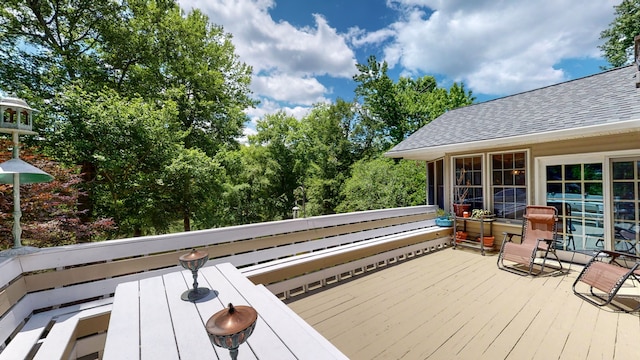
{"points": [[441, 213], [480, 213]]}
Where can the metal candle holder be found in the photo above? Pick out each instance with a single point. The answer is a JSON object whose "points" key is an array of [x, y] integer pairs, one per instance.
{"points": [[232, 326], [194, 261]]}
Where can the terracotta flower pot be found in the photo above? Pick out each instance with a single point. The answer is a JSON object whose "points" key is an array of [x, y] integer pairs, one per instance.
{"points": [[487, 241], [459, 209], [460, 235]]}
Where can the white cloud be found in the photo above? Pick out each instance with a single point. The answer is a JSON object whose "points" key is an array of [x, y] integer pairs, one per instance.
{"points": [[267, 107], [290, 89], [496, 47], [267, 45]]}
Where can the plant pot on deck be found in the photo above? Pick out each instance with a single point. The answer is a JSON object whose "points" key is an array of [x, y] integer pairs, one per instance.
{"points": [[445, 222], [487, 241], [460, 235], [459, 209]]}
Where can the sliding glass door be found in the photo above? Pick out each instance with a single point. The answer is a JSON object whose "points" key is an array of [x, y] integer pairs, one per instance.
{"points": [[576, 190], [597, 198], [625, 188]]}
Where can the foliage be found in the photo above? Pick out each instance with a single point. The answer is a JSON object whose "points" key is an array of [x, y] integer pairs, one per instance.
{"points": [[329, 152], [392, 111], [50, 215], [618, 47], [384, 183], [281, 137], [149, 102], [130, 143], [147, 53], [442, 213], [247, 195], [480, 213]]}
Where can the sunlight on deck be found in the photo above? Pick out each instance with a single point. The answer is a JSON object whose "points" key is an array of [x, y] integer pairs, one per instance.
{"points": [[456, 304]]}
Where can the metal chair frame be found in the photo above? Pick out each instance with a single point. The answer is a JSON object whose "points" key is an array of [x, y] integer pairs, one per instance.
{"points": [[529, 247], [606, 272]]}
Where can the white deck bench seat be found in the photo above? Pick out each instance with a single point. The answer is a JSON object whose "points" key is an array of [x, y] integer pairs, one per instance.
{"points": [[52, 334], [281, 269], [271, 254]]}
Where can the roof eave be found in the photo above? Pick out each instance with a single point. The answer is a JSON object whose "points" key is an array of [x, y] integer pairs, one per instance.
{"points": [[435, 152]]}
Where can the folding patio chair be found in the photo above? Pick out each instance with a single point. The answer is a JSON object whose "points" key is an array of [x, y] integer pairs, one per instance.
{"points": [[538, 235], [609, 272]]}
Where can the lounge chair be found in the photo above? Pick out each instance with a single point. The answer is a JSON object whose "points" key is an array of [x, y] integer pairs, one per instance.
{"points": [[537, 238], [608, 272]]}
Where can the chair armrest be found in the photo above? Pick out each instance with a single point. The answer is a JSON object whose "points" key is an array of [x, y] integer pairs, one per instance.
{"points": [[616, 254], [509, 236]]}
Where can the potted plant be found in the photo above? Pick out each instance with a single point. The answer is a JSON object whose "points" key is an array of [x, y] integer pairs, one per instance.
{"points": [[481, 213], [460, 194], [443, 218], [484, 214]]}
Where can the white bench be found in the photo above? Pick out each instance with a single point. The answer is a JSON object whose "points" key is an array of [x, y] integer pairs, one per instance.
{"points": [[310, 270], [52, 334]]}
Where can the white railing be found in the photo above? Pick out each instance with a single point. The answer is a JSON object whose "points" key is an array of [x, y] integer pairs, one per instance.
{"points": [[54, 277]]}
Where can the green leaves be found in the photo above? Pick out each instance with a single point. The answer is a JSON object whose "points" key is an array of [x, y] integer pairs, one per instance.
{"points": [[392, 111], [618, 47], [384, 183]]}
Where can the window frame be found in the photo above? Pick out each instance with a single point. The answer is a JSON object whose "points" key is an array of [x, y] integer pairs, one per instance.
{"points": [[491, 184], [473, 175]]}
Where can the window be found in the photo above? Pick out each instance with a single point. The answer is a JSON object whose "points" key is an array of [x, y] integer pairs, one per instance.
{"points": [[576, 190], [626, 202], [509, 184], [468, 181], [435, 183]]}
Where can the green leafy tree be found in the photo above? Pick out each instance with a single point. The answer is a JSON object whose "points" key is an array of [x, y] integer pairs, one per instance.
{"points": [[142, 49], [281, 136], [618, 46], [129, 143], [193, 183], [392, 111], [384, 183], [330, 152], [47, 44], [249, 192]]}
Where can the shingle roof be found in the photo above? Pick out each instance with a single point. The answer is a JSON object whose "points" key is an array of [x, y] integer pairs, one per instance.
{"points": [[604, 98]]}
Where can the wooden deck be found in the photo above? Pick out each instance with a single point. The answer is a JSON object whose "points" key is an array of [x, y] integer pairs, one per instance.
{"points": [[456, 304]]}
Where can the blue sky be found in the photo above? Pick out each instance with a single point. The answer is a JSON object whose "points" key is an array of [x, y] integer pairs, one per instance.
{"points": [[304, 51]]}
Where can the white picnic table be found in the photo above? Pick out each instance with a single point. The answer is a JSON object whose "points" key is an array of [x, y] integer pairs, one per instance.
{"points": [[149, 320]]}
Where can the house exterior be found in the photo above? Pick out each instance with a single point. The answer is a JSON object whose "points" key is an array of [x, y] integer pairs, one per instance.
{"points": [[573, 145]]}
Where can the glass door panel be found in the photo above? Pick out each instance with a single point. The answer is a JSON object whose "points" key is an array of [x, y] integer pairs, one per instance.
{"points": [[626, 194], [576, 190]]}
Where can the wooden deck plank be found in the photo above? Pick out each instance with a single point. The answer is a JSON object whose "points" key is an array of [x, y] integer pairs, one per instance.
{"points": [[401, 310], [437, 333], [603, 345], [560, 327], [458, 304], [627, 337]]}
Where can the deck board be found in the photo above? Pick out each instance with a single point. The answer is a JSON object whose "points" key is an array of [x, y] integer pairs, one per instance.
{"points": [[456, 304]]}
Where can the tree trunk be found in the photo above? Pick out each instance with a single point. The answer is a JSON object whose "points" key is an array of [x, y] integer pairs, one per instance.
{"points": [[85, 198], [186, 221]]}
